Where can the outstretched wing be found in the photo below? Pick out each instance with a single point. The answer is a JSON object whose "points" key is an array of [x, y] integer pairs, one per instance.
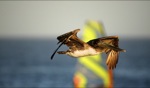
{"points": [[104, 43], [111, 43], [110, 46], [67, 36], [110, 40], [71, 40]]}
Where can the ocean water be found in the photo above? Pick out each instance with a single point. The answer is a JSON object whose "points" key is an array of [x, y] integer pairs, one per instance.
{"points": [[26, 63]]}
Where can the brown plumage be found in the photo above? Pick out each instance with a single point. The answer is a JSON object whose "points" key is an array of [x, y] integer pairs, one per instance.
{"points": [[79, 48]]}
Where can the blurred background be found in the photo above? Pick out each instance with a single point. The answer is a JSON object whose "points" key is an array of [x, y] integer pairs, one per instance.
{"points": [[28, 31]]}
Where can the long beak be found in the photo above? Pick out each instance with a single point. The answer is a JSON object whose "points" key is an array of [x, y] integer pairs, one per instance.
{"points": [[62, 43], [57, 49]]}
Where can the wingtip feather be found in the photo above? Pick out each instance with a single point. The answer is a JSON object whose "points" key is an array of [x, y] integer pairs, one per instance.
{"points": [[112, 59]]}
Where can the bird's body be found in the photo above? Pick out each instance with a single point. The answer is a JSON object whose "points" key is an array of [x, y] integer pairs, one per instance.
{"points": [[80, 53], [79, 48]]}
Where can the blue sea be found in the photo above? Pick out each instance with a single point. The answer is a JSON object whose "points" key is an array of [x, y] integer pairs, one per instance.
{"points": [[26, 63]]}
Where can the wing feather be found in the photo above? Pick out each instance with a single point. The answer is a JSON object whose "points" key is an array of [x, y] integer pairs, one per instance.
{"points": [[112, 59], [64, 39], [110, 46], [72, 41], [111, 40]]}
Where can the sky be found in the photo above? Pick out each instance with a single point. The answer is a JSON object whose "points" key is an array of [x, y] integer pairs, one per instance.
{"points": [[49, 19]]}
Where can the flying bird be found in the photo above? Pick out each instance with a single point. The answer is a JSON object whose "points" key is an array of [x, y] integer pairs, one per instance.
{"points": [[79, 48]]}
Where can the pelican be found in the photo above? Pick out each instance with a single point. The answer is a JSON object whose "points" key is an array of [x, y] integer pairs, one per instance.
{"points": [[79, 48]]}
